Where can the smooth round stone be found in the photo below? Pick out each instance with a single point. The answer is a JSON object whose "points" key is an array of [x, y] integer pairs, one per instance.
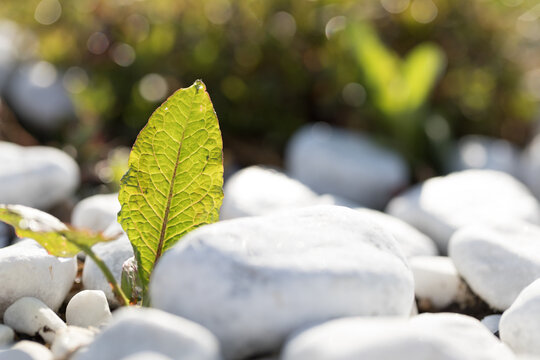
{"points": [[11, 354], [146, 355], [32, 317], [27, 350], [26, 269], [520, 324], [134, 330], [347, 164], [96, 212], [37, 96], [7, 335], [492, 322], [441, 205], [36, 176], [258, 190], [497, 261], [270, 275], [411, 241], [441, 336], [530, 166], [483, 152], [114, 254], [437, 281], [88, 308], [70, 339]]}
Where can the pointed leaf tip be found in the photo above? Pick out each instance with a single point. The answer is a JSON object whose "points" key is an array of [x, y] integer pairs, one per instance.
{"points": [[199, 85]]}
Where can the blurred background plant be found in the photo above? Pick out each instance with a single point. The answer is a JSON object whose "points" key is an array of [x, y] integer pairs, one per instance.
{"points": [[416, 74]]}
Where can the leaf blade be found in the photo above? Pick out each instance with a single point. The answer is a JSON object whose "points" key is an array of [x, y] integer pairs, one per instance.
{"points": [[57, 238], [175, 177], [421, 69]]}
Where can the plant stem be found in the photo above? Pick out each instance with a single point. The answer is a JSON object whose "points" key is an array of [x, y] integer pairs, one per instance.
{"points": [[146, 300], [117, 290]]}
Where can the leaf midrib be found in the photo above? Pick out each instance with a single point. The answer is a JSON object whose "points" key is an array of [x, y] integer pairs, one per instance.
{"points": [[171, 193]]}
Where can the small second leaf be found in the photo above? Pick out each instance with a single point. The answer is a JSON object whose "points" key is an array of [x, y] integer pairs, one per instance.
{"points": [[51, 233]]}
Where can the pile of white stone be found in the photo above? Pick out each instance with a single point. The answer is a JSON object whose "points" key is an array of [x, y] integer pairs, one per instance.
{"points": [[302, 267]]}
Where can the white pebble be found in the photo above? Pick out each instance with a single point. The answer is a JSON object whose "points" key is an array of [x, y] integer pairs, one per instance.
{"points": [[36, 176], [530, 166], [411, 241], [134, 330], [252, 281], [146, 355], [6, 335], [258, 190], [96, 212], [498, 261], [114, 254], [88, 308], [437, 280], [32, 317], [352, 165], [26, 269], [442, 205], [27, 350], [483, 152], [440, 336], [70, 339], [520, 324], [492, 322]]}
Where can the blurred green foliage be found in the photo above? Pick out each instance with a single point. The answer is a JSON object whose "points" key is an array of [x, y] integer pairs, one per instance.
{"points": [[272, 66], [399, 88]]}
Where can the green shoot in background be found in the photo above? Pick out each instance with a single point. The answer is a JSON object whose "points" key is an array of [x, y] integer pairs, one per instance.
{"points": [[399, 88]]}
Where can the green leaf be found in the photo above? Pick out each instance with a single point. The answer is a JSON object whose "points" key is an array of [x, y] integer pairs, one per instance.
{"points": [[398, 87], [421, 70], [379, 65], [175, 177], [51, 233]]}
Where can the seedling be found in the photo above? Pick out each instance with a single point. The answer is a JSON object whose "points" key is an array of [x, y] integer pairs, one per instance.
{"points": [[174, 185], [399, 87]]}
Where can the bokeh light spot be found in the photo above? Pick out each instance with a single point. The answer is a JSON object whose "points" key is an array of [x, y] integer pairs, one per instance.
{"points": [[474, 155], [247, 56], [123, 54], [334, 25], [424, 11], [528, 24], [218, 12], [512, 3], [153, 87], [354, 94], [532, 83], [395, 6], [137, 27], [97, 43], [282, 26], [437, 128], [43, 74], [75, 80], [233, 87], [48, 12]]}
